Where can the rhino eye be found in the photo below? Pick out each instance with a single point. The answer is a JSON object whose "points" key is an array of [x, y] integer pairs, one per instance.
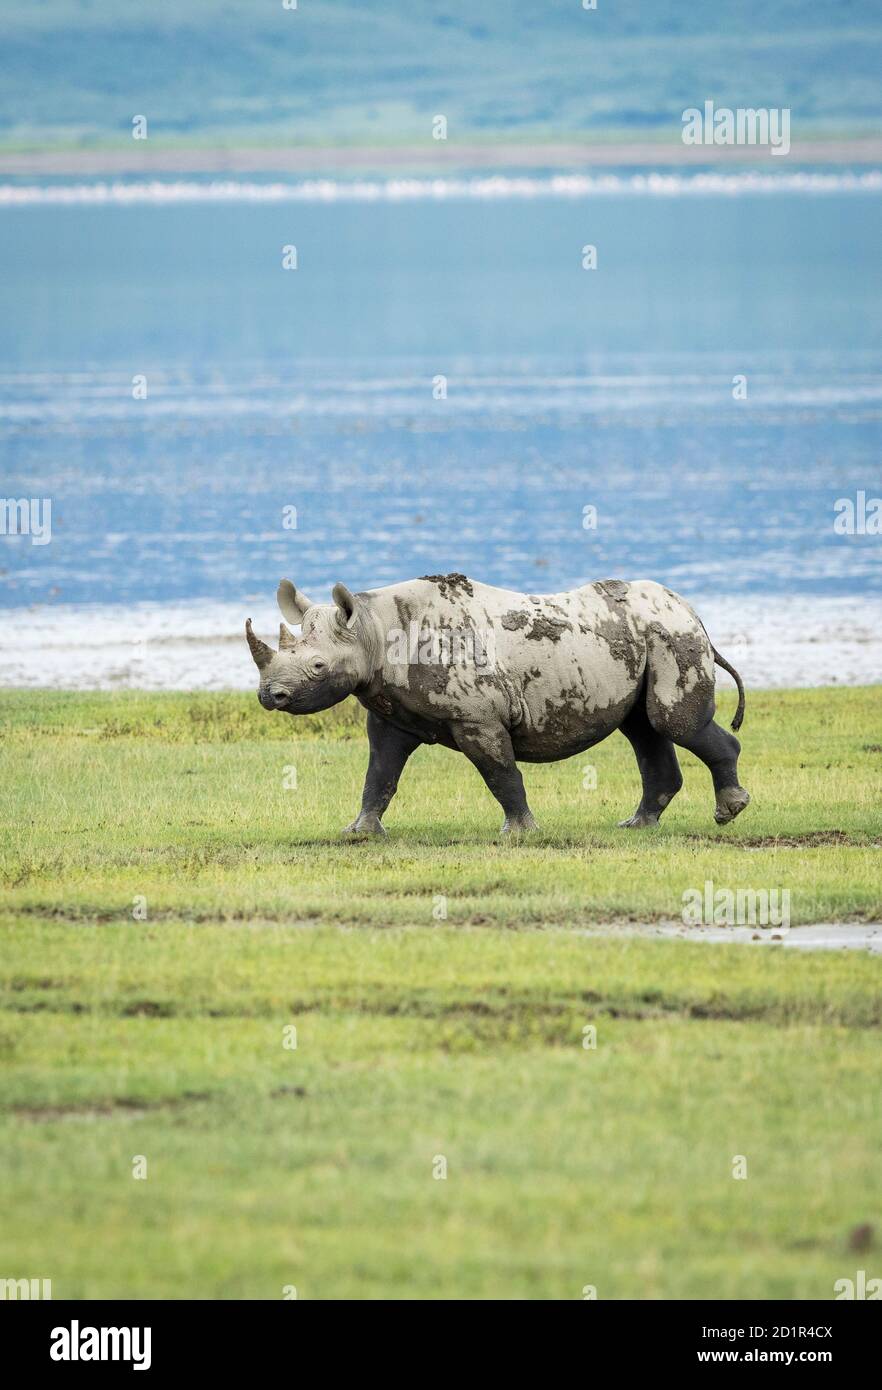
{"points": [[318, 664]]}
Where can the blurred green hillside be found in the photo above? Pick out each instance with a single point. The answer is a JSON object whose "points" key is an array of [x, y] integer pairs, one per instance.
{"points": [[73, 73]]}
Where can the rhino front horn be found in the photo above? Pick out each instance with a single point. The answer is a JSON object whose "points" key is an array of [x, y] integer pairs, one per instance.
{"points": [[259, 650]]}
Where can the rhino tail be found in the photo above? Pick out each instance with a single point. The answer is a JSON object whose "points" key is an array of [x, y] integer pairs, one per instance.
{"points": [[721, 661]]}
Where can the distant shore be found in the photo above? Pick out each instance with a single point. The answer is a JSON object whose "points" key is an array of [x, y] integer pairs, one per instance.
{"points": [[145, 157]]}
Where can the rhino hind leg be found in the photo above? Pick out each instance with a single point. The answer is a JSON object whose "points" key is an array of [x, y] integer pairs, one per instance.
{"points": [[680, 706], [390, 749], [659, 769], [719, 750]]}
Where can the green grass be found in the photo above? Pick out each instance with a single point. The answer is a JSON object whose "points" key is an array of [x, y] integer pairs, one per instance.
{"points": [[418, 1037], [182, 799]]}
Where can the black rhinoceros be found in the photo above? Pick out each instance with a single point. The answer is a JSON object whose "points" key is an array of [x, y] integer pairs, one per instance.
{"points": [[506, 677]]}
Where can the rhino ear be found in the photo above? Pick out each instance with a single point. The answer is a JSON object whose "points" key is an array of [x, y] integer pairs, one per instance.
{"points": [[345, 602], [286, 637], [292, 602]]}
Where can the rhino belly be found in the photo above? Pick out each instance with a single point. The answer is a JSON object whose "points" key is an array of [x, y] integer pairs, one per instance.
{"points": [[567, 731], [578, 697]]}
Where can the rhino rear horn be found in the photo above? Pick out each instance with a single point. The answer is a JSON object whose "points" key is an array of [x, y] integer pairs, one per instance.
{"points": [[292, 602], [286, 637], [262, 654]]}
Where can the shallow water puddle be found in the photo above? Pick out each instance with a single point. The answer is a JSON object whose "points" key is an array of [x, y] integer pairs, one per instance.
{"points": [[823, 936]]}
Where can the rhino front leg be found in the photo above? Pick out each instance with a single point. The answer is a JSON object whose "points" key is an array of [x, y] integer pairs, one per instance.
{"points": [[489, 748], [390, 750]]}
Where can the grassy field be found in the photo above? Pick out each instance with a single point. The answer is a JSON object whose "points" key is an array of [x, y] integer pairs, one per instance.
{"points": [[172, 904]]}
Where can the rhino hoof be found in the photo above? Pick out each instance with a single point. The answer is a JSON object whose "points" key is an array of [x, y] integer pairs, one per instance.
{"points": [[519, 825], [639, 820], [731, 801], [364, 826]]}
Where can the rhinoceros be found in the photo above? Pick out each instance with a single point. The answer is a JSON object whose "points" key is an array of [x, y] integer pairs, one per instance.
{"points": [[505, 677]]}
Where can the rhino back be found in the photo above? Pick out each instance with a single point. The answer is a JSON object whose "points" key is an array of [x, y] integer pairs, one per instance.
{"points": [[564, 667]]}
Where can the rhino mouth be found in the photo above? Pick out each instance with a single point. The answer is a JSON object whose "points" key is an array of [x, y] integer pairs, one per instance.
{"points": [[318, 696], [273, 700], [315, 699]]}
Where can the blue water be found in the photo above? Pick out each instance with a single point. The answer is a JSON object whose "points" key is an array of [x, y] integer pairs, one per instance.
{"points": [[566, 388]]}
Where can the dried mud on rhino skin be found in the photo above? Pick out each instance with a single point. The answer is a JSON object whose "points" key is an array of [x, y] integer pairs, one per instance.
{"points": [[514, 620], [613, 590], [450, 585], [548, 629]]}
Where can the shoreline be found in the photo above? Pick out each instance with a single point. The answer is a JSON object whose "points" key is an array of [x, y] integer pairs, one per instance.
{"points": [[430, 157], [780, 642]]}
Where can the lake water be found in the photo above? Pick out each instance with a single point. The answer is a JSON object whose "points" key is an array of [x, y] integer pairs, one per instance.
{"points": [[317, 389]]}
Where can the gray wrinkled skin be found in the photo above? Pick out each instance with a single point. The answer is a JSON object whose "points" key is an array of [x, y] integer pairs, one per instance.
{"points": [[565, 671]]}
